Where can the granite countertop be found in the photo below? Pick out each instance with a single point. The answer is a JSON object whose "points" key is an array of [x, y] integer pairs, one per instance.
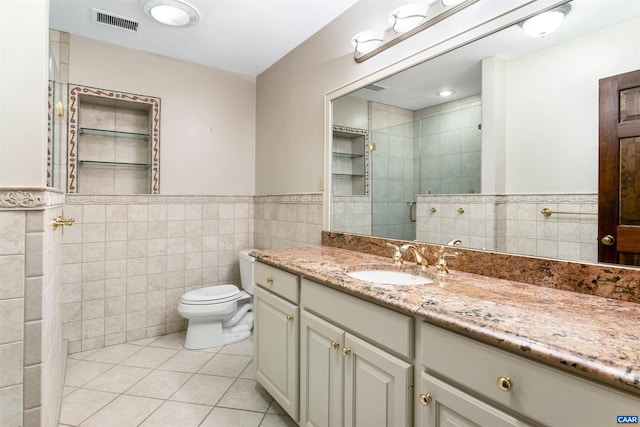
{"points": [[592, 336]]}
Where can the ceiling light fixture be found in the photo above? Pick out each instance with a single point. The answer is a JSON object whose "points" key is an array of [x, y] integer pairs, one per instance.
{"points": [[547, 22], [407, 17], [445, 92], [175, 13], [366, 41]]}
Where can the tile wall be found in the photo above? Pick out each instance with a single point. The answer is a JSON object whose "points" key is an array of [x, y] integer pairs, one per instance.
{"points": [[513, 223], [292, 220], [351, 214], [32, 355], [128, 259]]}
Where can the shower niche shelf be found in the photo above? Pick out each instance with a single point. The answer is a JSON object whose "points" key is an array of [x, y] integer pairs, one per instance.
{"points": [[114, 142], [350, 167]]}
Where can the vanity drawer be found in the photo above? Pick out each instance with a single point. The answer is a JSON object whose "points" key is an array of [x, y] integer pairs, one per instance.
{"points": [[278, 281], [539, 392], [387, 328]]}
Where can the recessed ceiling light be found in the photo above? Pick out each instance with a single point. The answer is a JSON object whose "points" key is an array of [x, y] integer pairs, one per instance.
{"points": [[175, 13], [445, 92]]}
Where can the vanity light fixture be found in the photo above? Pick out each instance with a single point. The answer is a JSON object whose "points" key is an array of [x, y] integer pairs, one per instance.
{"points": [[546, 22], [445, 92], [407, 17], [366, 41], [404, 22], [175, 13]]}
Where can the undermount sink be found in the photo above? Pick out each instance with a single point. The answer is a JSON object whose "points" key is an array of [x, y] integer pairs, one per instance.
{"points": [[389, 277]]}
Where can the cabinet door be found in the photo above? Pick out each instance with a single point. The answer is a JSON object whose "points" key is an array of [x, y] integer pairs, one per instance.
{"points": [[377, 386], [276, 348], [321, 373], [446, 406]]}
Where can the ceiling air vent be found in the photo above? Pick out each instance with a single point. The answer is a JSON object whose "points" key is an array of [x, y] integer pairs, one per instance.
{"points": [[113, 20], [375, 87]]}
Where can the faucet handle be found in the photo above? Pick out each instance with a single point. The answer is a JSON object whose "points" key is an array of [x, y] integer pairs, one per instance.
{"points": [[441, 265], [397, 256]]}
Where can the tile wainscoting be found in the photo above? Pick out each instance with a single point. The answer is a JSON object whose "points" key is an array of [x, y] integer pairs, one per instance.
{"points": [[129, 259], [32, 354]]}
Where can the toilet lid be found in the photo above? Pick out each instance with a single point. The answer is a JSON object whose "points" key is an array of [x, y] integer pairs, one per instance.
{"points": [[211, 293]]}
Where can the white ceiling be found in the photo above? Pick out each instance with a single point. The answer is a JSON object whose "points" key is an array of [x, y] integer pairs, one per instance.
{"points": [[245, 36]]}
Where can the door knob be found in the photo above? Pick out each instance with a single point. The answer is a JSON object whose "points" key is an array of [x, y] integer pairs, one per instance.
{"points": [[608, 240]]}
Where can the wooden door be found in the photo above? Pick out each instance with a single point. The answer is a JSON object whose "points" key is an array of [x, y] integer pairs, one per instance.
{"points": [[321, 373], [619, 165], [276, 348], [377, 386]]}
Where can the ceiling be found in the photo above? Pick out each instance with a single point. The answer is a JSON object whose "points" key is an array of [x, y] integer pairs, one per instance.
{"points": [[244, 36]]}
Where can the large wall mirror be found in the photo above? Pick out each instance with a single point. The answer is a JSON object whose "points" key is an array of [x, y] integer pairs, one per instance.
{"points": [[518, 134]]}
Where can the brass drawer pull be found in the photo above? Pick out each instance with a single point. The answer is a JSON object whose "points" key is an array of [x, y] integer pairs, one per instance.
{"points": [[505, 383], [269, 280], [335, 345], [346, 351], [425, 399], [290, 318]]}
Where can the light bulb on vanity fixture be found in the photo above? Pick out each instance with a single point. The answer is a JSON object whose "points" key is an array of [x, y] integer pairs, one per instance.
{"points": [[175, 13], [547, 22], [367, 41], [407, 17]]}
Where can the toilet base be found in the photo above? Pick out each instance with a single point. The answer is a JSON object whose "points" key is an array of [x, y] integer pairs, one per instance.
{"points": [[206, 334]]}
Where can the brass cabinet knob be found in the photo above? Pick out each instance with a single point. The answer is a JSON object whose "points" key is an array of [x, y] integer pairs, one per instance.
{"points": [[270, 280], [425, 399], [608, 240], [289, 318], [505, 383], [346, 351], [335, 345], [460, 211], [433, 210]]}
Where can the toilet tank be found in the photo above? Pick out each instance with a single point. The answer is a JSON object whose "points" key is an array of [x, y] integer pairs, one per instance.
{"points": [[246, 270]]}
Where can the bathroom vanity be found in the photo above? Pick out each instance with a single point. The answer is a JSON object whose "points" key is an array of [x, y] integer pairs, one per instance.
{"points": [[465, 350]]}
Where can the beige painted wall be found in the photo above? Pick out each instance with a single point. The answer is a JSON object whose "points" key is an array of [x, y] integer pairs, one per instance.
{"points": [[24, 48], [552, 147], [207, 115], [290, 123]]}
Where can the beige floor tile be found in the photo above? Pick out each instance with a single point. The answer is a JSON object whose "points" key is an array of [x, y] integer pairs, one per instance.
{"points": [[72, 361], [249, 372], [150, 357], [275, 408], [118, 379], [212, 349], [82, 354], [114, 354], [125, 411], [67, 390], [170, 341], [81, 404], [248, 395], [244, 348], [186, 361], [84, 371], [225, 417], [144, 341], [226, 365], [273, 420], [203, 389], [159, 384], [172, 414]]}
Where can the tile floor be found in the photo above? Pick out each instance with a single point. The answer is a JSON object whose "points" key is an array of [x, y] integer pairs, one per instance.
{"points": [[156, 382]]}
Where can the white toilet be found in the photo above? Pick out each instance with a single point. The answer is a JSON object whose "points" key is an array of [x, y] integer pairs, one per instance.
{"points": [[220, 314]]}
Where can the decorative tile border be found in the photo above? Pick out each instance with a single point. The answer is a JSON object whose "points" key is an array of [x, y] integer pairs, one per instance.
{"points": [[50, 127], [310, 198], [30, 198], [81, 199], [74, 102]]}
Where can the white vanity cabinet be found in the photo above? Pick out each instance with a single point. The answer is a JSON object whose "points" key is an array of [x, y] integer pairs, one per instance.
{"points": [[348, 378], [476, 384], [276, 334]]}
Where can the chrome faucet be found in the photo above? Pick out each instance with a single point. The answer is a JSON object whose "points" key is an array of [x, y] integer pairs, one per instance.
{"points": [[454, 242], [397, 256], [421, 258]]}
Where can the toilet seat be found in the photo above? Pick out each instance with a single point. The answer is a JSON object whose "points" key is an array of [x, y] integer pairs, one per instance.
{"points": [[211, 295]]}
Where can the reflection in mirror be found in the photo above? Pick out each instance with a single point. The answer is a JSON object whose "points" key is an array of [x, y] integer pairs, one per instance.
{"points": [[519, 134], [56, 123]]}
